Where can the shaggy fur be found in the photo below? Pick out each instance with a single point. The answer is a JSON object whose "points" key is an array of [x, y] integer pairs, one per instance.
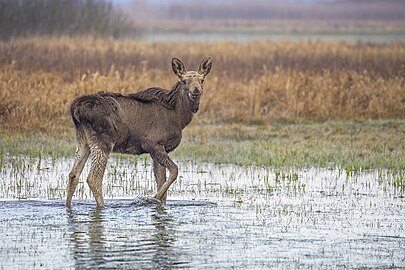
{"points": [[150, 121]]}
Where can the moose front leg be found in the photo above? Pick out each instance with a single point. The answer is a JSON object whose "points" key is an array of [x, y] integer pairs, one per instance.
{"points": [[159, 155], [160, 176]]}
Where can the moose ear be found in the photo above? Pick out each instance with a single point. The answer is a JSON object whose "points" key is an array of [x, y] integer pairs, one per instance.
{"points": [[205, 66], [178, 68]]}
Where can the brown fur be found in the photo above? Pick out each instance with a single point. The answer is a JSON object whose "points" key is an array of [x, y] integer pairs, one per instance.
{"points": [[150, 121]]}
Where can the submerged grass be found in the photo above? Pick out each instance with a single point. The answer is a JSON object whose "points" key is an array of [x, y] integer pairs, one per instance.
{"points": [[346, 144]]}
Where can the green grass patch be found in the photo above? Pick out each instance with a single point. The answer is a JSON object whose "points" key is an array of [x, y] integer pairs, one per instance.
{"points": [[37, 145], [345, 144]]}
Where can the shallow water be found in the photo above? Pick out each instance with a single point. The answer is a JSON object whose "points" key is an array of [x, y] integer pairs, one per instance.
{"points": [[174, 36], [217, 216]]}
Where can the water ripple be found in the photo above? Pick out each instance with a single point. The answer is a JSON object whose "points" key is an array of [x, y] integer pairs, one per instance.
{"points": [[217, 216]]}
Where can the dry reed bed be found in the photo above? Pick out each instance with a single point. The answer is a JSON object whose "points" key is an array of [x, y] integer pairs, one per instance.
{"points": [[252, 82]]}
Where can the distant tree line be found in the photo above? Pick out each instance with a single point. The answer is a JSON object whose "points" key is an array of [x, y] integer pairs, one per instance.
{"points": [[61, 17]]}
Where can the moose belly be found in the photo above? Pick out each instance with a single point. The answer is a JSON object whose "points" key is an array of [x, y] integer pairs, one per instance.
{"points": [[172, 144], [128, 147], [134, 148]]}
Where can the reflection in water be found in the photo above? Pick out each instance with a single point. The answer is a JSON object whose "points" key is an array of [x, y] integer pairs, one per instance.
{"points": [[106, 237], [87, 237], [263, 218], [163, 237], [96, 237]]}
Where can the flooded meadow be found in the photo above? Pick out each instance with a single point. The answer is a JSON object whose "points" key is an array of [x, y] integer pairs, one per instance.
{"points": [[217, 216]]}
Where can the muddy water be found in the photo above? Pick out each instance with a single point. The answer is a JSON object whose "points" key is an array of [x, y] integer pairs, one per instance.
{"points": [[217, 216]]}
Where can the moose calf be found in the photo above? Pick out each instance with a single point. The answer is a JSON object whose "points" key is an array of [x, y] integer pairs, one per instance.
{"points": [[150, 121]]}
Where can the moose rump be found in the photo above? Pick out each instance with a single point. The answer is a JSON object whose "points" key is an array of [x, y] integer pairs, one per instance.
{"points": [[150, 121]]}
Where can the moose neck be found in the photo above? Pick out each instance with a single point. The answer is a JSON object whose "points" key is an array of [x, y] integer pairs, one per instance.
{"points": [[185, 107]]}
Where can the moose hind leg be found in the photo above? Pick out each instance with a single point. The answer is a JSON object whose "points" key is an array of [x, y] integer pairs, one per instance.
{"points": [[160, 176], [95, 177], [81, 156]]}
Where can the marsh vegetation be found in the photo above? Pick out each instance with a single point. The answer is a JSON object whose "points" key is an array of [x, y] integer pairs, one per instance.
{"points": [[295, 159], [283, 103], [252, 83]]}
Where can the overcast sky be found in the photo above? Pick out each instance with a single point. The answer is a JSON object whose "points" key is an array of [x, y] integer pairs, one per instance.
{"points": [[162, 1]]}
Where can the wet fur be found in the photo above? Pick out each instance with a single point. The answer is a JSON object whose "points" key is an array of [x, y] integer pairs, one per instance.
{"points": [[150, 121], [101, 113]]}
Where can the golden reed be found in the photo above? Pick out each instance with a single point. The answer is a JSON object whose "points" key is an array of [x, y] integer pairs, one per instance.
{"points": [[254, 82]]}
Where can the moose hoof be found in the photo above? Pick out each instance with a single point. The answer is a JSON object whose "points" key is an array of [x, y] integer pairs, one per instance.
{"points": [[145, 201]]}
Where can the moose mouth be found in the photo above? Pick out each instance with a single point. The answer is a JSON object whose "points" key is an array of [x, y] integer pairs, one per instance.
{"points": [[194, 96]]}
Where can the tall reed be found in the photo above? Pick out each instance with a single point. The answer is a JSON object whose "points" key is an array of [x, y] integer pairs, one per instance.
{"points": [[254, 82]]}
